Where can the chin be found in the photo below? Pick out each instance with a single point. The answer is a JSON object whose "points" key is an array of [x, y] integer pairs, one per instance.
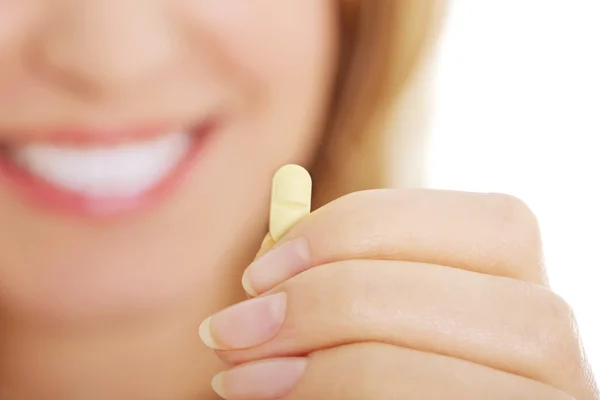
{"points": [[80, 289]]}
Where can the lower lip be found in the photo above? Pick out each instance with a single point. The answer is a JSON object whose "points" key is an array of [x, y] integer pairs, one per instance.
{"points": [[41, 193]]}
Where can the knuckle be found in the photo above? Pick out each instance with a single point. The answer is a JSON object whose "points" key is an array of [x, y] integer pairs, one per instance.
{"points": [[515, 213], [518, 233], [557, 340]]}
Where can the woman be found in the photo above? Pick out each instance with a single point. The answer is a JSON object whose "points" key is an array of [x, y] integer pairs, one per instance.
{"points": [[139, 141]]}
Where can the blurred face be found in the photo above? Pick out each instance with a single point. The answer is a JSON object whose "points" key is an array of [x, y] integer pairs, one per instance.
{"points": [[138, 140]]}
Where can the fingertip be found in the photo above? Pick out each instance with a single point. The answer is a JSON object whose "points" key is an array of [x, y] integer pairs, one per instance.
{"points": [[247, 285], [218, 385], [206, 335]]}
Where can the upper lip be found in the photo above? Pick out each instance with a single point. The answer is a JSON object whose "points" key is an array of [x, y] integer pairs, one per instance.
{"points": [[81, 136]]}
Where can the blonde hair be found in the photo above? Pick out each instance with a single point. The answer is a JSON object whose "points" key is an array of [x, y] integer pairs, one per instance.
{"points": [[382, 42]]}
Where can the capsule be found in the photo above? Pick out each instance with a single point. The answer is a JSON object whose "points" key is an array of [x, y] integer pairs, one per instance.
{"points": [[291, 194]]}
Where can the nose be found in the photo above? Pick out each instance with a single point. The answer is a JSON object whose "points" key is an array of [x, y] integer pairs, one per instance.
{"points": [[106, 46]]}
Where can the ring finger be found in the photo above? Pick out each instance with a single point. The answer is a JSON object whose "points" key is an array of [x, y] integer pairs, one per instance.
{"points": [[376, 371]]}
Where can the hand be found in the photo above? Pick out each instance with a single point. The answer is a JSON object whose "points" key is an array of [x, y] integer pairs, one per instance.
{"points": [[388, 295]]}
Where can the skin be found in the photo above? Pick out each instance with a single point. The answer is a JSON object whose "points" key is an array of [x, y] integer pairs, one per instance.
{"points": [[110, 308], [382, 300]]}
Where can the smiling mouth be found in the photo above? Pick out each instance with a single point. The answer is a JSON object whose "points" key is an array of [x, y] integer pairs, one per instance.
{"points": [[100, 174]]}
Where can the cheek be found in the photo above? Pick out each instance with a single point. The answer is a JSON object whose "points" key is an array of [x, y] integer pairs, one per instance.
{"points": [[283, 53]]}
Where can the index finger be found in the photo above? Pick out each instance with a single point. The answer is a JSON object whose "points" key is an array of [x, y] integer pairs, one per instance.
{"points": [[485, 233]]}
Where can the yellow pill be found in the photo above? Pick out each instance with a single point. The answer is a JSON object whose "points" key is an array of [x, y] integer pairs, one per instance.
{"points": [[290, 199]]}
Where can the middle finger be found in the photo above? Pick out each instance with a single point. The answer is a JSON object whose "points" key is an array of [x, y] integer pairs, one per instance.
{"points": [[503, 323]]}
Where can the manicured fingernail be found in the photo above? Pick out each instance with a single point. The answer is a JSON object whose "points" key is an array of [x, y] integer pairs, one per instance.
{"points": [[265, 380], [247, 324], [277, 266]]}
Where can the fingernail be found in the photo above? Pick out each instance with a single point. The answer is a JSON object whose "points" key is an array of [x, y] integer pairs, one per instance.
{"points": [[247, 324], [277, 266], [266, 380]]}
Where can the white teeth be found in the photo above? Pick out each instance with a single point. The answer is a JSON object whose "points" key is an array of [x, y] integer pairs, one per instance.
{"points": [[124, 171]]}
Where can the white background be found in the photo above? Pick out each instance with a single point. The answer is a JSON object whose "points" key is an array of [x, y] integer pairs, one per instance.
{"points": [[517, 110]]}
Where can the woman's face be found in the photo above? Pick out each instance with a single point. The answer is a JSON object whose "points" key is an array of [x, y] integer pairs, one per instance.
{"points": [[138, 142]]}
